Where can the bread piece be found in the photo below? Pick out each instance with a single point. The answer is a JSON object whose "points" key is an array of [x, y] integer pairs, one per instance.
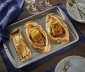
{"points": [[20, 45]]}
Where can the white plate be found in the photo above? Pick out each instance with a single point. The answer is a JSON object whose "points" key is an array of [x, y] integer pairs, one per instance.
{"points": [[74, 13], [77, 64], [81, 5]]}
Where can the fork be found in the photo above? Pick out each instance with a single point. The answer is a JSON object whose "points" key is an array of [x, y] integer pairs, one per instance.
{"points": [[72, 3], [66, 66]]}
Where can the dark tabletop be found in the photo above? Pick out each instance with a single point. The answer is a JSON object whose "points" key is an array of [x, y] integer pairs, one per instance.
{"points": [[78, 50]]}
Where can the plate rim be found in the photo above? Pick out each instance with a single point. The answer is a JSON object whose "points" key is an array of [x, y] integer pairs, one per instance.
{"points": [[66, 58], [78, 20]]}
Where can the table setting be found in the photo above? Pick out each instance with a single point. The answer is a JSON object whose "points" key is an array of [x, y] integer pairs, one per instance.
{"points": [[70, 64], [78, 9], [73, 64], [61, 57]]}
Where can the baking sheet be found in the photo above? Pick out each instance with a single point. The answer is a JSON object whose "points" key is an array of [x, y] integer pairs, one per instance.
{"points": [[40, 18]]}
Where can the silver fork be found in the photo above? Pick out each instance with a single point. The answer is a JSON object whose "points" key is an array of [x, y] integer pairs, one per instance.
{"points": [[72, 3], [66, 66]]}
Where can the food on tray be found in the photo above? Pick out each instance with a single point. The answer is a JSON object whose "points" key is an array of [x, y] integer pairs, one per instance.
{"points": [[37, 37], [56, 28], [21, 47]]}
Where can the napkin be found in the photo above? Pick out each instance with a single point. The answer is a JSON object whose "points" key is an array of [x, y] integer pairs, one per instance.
{"points": [[9, 10], [11, 68]]}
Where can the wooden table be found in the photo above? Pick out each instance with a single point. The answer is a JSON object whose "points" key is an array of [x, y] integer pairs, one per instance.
{"points": [[79, 50]]}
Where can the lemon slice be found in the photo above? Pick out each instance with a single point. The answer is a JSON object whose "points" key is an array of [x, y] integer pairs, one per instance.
{"points": [[54, 22], [35, 34], [56, 27]]}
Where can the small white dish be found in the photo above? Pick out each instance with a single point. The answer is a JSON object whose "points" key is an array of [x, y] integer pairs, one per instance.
{"points": [[74, 13], [77, 64]]}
